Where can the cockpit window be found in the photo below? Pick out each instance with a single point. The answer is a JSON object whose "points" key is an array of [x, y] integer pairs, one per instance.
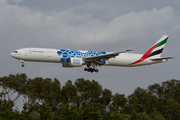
{"points": [[15, 51]]}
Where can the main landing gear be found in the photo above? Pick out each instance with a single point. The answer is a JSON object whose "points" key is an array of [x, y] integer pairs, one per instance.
{"points": [[88, 69], [22, 61]]}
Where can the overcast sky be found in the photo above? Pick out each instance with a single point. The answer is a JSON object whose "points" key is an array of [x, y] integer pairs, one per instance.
{"points": [[105, 25]]}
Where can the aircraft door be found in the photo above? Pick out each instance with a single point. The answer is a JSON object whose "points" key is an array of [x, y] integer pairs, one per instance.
{"points": [[26, 53]]}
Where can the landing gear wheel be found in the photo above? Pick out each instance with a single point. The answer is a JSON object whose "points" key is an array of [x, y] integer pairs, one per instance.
{"points": [[96, 70], [22, 61], [90, 69], [22, 65]]}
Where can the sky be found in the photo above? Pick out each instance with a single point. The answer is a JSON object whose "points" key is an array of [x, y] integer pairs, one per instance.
{"points": [[103, 25]]}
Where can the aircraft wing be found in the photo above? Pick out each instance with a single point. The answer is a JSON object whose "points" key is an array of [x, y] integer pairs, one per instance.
{"points": [[97, 59]]}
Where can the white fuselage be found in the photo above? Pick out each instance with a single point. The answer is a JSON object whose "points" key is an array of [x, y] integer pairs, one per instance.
{"points": [[57, 56]]}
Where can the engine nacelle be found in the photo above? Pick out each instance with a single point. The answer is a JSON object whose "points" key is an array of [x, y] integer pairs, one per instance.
{"points": [[76, 62], [73, 62]]}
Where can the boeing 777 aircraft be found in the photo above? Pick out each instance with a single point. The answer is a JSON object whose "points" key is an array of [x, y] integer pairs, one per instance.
{"points": [[76, 58]]}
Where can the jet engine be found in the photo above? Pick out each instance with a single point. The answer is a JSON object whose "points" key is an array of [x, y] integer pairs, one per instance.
{"points": [[73, 62], [76, 62]]}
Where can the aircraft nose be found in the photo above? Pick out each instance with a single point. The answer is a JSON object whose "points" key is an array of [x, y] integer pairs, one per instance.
{"points": [[12, 54]]}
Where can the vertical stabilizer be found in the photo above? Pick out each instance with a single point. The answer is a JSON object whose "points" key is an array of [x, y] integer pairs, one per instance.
{"points": [[158, 47], [155, 51]]}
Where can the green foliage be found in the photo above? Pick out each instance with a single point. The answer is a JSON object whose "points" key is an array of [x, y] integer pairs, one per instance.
{"points": [[105, 99], [156, 116], [88, 90], [118, 102], [46, 99], [45, 112], [142, 101], [167, 90], [69, 92]]}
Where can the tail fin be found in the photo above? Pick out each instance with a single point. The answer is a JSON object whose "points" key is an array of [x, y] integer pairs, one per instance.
{"points": [[156, 50]]}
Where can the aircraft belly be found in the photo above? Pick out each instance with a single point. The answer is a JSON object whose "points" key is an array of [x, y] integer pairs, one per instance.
{"points": [[119, 62]]}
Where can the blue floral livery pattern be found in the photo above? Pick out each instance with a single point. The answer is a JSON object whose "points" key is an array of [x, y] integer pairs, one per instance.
{"points": [[68, 53]]}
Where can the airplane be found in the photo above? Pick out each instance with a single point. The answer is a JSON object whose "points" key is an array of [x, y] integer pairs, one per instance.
{"points": [[76, 58]]}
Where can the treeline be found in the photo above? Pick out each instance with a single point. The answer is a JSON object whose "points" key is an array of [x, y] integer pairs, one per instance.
{"points": [[46, 99]]}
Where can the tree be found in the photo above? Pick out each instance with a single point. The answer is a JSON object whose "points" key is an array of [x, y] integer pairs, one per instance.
{"points": [[167, 90], [87, 90], [69, 93], [12, 85], [106, 97], [118, 102], [85, 99], [171, 110], [141, 101]]}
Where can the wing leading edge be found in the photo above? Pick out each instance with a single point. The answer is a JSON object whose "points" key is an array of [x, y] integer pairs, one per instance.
{"points": [[98, 59]]}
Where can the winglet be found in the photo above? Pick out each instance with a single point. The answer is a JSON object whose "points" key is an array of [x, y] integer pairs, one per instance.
{"points": [[129, 50]]}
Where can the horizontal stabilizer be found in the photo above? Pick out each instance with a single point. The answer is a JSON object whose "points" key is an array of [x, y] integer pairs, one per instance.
{"points": [[166, 58]]}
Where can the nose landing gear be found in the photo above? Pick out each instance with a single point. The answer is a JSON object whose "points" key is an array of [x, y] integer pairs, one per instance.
{"points": [[22, 61], [22, 65]]}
